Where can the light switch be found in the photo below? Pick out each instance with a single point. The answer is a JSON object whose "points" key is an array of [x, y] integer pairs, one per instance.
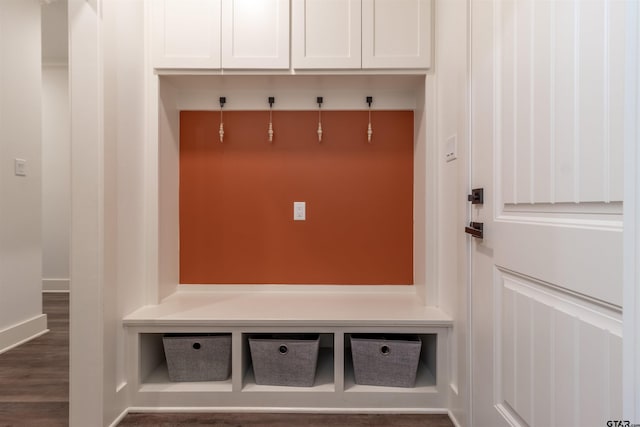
{"points": [[299, 211], [450, 152], [20, 167]]}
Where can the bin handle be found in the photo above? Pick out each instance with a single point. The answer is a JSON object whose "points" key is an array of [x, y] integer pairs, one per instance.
{"points": [[283, 349], [385, 350], [196, 346]]}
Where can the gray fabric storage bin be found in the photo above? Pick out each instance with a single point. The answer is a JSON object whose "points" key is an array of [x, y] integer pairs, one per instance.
{"points": [[205, 357], [386, 361], [288, 360]]}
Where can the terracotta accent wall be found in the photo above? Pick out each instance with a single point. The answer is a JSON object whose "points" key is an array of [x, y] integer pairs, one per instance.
{"points": [[236, 198]]}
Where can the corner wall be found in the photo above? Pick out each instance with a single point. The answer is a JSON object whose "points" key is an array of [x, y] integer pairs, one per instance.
{"points": [[56, 198], [452, 123], [107, 93], [21, 315]]}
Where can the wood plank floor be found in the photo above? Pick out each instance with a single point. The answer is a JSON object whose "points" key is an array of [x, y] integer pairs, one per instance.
{"points": [[285, 420], [34, 391], [34, 377]]}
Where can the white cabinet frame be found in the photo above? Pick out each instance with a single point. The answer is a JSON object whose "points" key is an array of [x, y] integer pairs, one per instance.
{"points": [[326, 34], [186, 33], [396, 33], [255, 35]]}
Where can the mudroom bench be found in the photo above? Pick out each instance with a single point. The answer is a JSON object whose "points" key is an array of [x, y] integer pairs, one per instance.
{"points": [[333, 315]]}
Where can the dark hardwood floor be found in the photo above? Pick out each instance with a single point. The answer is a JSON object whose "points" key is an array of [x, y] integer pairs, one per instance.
{"points": [[34, 377], [34, 391], [285, 420]]}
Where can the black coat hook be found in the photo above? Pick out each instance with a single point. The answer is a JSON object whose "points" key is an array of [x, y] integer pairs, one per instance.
{"points": [[369, 100], [319, 101], [271, 100], [223, 100]]}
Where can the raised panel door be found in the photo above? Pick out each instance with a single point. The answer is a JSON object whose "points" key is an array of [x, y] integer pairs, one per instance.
{"points": [[547, 87]]}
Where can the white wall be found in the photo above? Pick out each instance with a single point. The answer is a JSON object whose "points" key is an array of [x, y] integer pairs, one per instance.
{"points": [[107, 87], [20, 196], [56, 198], [451, 99], [125, 94]]}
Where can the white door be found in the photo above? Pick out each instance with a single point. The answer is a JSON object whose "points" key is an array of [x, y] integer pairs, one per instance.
{"points": [[396, 33], [186, 33], [255, 34], [326, 34], [547, 108]]}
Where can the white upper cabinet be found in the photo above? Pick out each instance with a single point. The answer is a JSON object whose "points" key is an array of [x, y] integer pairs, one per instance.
{"points": [[326, 33], [186, 33], [255, 34], [396, 33]]}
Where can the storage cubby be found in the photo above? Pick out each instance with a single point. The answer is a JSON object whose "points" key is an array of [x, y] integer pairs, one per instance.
{"points": [[154, 375], [324, 376], [427, 366]]}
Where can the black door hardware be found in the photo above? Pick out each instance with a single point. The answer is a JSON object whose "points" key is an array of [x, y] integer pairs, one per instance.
{"points": [[477, 196], [475, 229]]}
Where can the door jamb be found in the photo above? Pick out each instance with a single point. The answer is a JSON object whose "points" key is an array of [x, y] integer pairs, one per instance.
{"points": [[631, 285]]}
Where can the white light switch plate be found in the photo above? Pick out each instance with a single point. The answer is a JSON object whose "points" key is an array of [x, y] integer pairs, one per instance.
{"points": [[299, 211], [450, 152], [20, 167]]}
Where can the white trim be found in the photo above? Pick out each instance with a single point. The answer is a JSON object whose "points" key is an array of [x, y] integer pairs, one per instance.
{"points": [[631, 283], [119, 418], [55, 285], [20, 333], [453, 419], [284, 410], [306, 289]]}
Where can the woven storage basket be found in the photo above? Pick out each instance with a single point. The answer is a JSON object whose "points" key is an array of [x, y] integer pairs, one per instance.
{"points": [[285, 360], [198, 357], [386, 361]]}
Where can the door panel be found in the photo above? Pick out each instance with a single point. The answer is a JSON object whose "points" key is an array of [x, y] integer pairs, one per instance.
{"points": [[547, 277], [186, 33], [555, 355], [314, 45], [255, 34], [396, 33]]}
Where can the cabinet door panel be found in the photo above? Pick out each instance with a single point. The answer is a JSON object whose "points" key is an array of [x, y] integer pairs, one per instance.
{"points": [[396, 33], [255, 34], [326, 33], [186, 33]]}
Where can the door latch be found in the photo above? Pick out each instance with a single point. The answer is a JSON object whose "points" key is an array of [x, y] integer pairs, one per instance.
{"points": [[475, 229], [477, 196]]}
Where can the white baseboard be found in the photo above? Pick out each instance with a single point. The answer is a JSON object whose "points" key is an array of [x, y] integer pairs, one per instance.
{"points": [[119, 418], [22, 332], [453, 419], [282, 410], [55, 285]]}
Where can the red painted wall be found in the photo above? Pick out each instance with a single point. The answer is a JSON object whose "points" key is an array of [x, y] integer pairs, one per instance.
{"points": [[236, 198]]}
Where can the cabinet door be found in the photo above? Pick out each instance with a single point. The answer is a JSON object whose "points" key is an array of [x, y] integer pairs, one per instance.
{"points": [[326, 33], [186, 33], [396, 33], [255, 34]]}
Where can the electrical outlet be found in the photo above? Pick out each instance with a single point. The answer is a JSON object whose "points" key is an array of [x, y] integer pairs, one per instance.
{"points": [[299, 211]]}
